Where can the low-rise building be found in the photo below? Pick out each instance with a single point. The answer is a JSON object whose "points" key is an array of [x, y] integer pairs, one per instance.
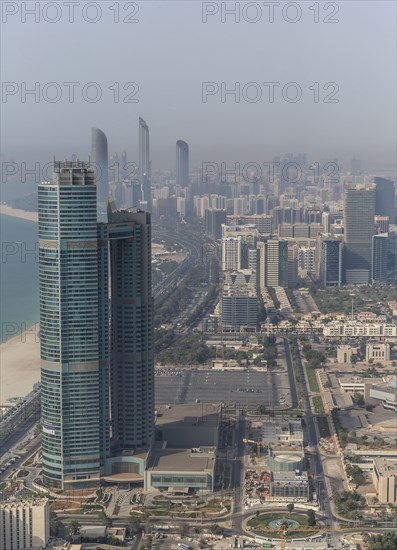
{"points": [[276, 431], [289, 487], [24, 524], [376, 351], [344, 354], [385, 392], [385, 480]]}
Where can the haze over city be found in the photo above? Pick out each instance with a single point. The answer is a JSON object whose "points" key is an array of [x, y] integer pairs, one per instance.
{"points": [[169, 52], [198, 279]]}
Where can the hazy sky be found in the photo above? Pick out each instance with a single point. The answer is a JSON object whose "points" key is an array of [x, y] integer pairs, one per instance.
{"points": [[170, 52]]}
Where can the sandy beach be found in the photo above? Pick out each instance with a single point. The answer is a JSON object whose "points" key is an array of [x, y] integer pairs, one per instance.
{"points": [[23, 214], [19, 364]]}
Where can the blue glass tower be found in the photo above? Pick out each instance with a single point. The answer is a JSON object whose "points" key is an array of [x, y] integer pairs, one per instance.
{"points": [[72, 363]]}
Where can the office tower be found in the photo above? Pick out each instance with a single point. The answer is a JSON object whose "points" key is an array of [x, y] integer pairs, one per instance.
{"points": [[144, 162], [231, 253], [380, 250], [131, 340], [71, 354], [325, 220], [240, 305], [385, 199], [330, 262], [358, 215], [307, 258], [214, 218], [182, 163], [123, 165], [99, 159], [273, 263], [132, 194], [292, 265], [382, 224]]}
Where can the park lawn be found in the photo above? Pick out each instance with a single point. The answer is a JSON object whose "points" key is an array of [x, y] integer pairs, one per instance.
{"points": [[323, 426], [318, 405], [311, 376]]}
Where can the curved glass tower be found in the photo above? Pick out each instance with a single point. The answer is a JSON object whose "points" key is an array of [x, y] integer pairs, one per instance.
{"points": [[69, 311], [99, 159], [182, 163]]}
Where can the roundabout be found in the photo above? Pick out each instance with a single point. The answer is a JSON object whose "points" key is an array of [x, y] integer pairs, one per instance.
{"points": [[276, 525]]}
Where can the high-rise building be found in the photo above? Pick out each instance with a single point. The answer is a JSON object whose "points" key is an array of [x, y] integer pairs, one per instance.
{"points": [[131, 337], [330, 262], [231, 253], [99, 159], [380, 250], [273, 263], [69, 327], [144, 162], [214, 218], [358, 215], [385, 199], [182, 163], [96, 332]]}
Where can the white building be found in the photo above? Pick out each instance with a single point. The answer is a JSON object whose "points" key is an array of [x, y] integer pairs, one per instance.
{"points": [[377, 351], [24, 524]]}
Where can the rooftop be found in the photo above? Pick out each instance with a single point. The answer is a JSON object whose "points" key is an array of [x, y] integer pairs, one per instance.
{"points": [[177, 460]]}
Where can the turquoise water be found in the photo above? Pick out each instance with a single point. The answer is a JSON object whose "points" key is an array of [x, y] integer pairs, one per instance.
{"points": [[19, 280]]}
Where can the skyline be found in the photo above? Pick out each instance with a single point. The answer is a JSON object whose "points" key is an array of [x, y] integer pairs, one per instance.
{"points": [[170, 94]]}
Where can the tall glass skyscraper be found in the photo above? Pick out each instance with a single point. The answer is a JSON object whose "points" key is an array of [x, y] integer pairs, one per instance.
{"points": [[131, 348], [358, 216], [69, 328], [96, 333], [182, 163], [144, 162], [99, 159], [385, 199]]}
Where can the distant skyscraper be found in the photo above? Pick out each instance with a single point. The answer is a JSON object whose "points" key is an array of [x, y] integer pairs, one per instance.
{"points": [[99, 160], [182, 163], [380, 250], [214, 218], [231, 253], [131, 348], [144, 162], [331, 262], [273, 263], [71, 363], [358, 215], [385, 199]]}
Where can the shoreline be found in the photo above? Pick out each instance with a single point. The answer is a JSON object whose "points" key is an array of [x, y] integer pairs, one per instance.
{"points": [[20, 364], [17, 213]]}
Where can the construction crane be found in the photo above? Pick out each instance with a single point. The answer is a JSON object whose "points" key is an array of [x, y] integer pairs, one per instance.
{"points": [[258, 444]]}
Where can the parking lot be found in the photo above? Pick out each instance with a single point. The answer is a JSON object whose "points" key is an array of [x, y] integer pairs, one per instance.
{"points": [[245, 388]]}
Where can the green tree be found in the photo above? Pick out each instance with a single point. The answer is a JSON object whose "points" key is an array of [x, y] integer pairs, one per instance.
{"points": [[215, 529], [387, 541], [356, 474], [290, 507], [311, 518], [74, 527]]}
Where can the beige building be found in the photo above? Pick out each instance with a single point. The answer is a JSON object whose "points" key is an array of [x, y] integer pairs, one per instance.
{"points": [[344, 354], [24, 524], [385, 480], [377, 352]]}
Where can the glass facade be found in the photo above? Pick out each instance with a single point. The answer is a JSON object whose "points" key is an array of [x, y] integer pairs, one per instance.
{"points": [[69, 305]]}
